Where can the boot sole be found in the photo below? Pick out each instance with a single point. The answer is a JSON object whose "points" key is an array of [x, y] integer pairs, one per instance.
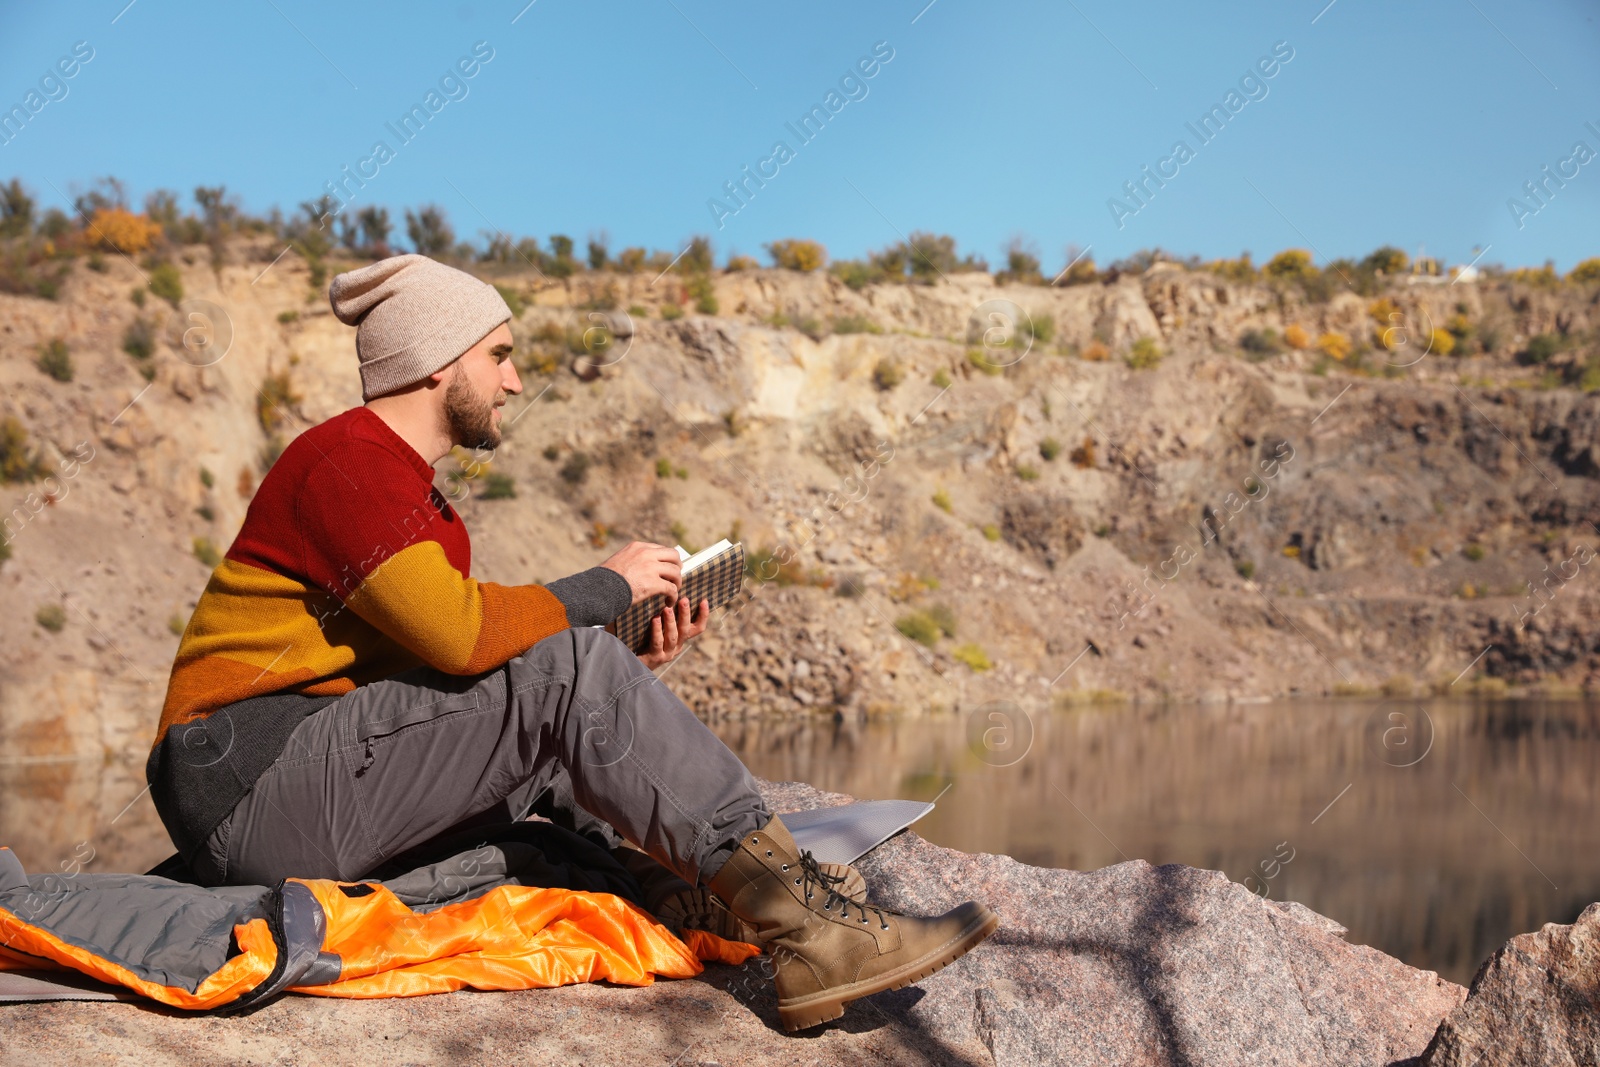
{"points": [[801, 1013]]}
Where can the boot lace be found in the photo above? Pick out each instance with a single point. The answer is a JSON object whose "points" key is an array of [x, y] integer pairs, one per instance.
{"points": [[814, 877]]}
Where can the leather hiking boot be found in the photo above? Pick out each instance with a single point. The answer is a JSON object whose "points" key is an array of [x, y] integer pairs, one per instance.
{"points": [[699, 909], [829, 950]]}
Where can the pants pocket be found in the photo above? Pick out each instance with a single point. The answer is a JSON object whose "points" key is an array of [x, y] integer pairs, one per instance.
{"points": [[408, 706]]}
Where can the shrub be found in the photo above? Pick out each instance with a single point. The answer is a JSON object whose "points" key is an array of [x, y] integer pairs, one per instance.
{"points": [[920, 627], [176, 625], [1027, 472], [941, 378], [697, 258], [991, 532], [638, 311], [931, 255], [1386, 260], [575, 469], [979, 359], [512, 298], [941, 614], [55, 360], [663, 467], [1145, 354], [273, 398], [206, 552], [1474, 552], [18, 463], [137, 340], [1383, 311], [117, 229], [270, 452], [1083, 455], [286, 317], [1441, 341], [137, 296], [855, 274], [887, 374], [1049, 448], [1317, 286], [1296, 337], [1261, 343], [763, 565], [1293, 264], [1096, 352], [1081, 272], [669, 312], [1334, 345], [941, 500], [1039, 328], [167, 283], [705, 297], [429, 230], [739, 263], [16, 210], [52, 617], [1234, 270], [855, 324], [811, 326], [795, 254], [1541, 347], [1587, 271], [973, 656], [1246, 569], [498, 486], [1544, 277]]}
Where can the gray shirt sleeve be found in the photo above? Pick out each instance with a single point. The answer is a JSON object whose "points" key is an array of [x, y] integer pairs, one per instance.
{"points": [[593, 597]]}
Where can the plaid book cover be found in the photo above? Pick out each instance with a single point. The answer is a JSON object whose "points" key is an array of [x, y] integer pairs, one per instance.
{"points": [[717, 580]]}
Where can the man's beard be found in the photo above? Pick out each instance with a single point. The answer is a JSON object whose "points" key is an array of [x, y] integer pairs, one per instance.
{"points": [[468, 418]]}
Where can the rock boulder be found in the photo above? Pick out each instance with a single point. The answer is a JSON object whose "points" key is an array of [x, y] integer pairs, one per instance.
{"points": [[1130, 964]]}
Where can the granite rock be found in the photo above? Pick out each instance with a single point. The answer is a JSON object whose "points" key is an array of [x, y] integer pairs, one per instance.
{"points": [[1130, 964], [1536, 1001]]}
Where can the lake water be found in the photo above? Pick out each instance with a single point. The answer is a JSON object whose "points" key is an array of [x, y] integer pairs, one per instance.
{"points": [[1433, 831]]}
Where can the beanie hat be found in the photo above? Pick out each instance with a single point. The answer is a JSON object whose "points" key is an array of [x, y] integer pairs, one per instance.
{"points": [[413, 316]]}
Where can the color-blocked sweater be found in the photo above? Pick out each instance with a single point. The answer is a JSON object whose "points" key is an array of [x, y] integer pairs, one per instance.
{"points": [[350, 568]]}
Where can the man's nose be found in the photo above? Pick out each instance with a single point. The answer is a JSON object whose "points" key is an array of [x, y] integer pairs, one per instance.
{"points": [[509, 380]]}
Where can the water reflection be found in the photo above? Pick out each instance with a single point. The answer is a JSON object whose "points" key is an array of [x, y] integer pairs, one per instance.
{"points": [[1434, 831]]}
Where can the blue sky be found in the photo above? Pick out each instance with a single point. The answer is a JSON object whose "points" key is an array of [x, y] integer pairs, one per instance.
{"points": [[1410, 123]]}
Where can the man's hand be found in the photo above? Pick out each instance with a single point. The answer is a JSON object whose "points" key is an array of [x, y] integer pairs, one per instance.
{"points": [[671, 631], [651, 569]]}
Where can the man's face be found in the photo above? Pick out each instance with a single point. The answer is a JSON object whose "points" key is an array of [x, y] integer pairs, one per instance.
{"points": [[479, 382]]}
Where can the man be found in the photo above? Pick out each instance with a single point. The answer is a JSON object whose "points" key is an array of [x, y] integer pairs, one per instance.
{"points": [[345, 692]]}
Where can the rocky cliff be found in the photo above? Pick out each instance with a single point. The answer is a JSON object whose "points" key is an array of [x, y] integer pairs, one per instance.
{"points": [[952, 462]]}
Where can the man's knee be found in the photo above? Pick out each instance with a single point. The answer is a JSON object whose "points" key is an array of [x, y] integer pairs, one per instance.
{"points": [[582, 649]]}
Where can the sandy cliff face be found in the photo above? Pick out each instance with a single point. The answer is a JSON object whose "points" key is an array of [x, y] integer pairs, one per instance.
{"points": [[1059, 528]]}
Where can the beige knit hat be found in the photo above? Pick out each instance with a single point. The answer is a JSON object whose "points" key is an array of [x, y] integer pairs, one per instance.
{"points": [[413, 316]]}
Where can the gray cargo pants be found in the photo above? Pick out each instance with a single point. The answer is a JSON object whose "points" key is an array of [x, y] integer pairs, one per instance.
{"points": [[576, 727]]}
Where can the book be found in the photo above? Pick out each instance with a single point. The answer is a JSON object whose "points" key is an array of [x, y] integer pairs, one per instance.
{"points": [[715, 574]]}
